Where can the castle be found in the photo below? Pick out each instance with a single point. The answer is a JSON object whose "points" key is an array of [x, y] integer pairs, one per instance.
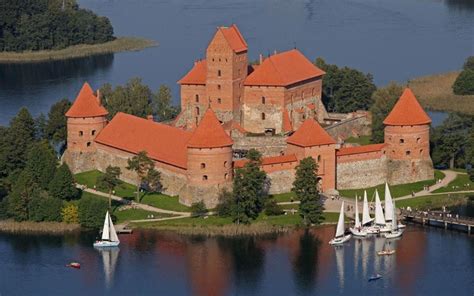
{"points": [[225, 100]]}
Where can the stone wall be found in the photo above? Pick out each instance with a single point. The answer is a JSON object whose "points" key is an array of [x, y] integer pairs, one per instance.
{"points": [[281, 181], [409, 171], [362, 173], [357, 126], [267, 145], [190, 194], [79, 162]]}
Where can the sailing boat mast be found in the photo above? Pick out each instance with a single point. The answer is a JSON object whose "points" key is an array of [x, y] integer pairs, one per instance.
{"points": [[379, 216], [388, 204], [365, 211], [357, 221]]}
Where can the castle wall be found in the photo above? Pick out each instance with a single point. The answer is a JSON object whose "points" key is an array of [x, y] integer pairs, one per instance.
{"points": [[82, 132], [263, 108], [361, 170], [281, 181], [409, 171], [408, 142], [267, 145], [360, 125]]}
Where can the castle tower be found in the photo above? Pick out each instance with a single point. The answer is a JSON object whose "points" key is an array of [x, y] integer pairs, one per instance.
{"points": [[226, 62], [407, 139], [209, 164], [85, 119], [312, 140]]}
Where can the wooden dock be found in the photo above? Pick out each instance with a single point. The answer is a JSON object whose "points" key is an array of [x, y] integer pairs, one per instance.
{"points": [[440, 220]]}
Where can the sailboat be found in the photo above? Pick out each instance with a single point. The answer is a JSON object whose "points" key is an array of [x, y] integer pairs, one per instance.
{"points": [[357, 230], [340, 238], [366, 220], [388, 207], [394, 231], [109, 236]]}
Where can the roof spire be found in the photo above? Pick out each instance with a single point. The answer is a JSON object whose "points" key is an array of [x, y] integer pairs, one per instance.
{"points": [[86, 104], [209, 133], [407, 111]]}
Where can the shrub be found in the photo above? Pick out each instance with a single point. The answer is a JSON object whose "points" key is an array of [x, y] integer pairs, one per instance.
{"points": [[464, 83], [272, 208], [45, 208], [92, 211], [70, 213], [224, 208], [198, 209]]}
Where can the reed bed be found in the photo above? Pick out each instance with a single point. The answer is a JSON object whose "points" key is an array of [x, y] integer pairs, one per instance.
{"points": [[38, 227], [435, 93], [77, 51]]}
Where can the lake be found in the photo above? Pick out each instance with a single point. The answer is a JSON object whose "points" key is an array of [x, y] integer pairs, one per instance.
{"points": [[393, 40], [428, 261]]}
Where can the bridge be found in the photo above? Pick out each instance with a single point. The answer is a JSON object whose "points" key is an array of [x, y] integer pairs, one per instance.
{"points": [[440, 219]]}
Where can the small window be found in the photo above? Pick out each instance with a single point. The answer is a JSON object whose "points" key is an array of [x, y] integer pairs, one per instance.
{"points": [[421, 151], [407, 153], [226, 176], [219, 73], [88, 144], [418, 140], [219, 59], [263, 116], [219, 87], [197, 110], [219, 100], [263, 100], [225, 164], [197, 98], [319, 158], [81, 133], [204, 178], [93, 132], [213, 59], [226, 60], [203, 165], [402, 141]]}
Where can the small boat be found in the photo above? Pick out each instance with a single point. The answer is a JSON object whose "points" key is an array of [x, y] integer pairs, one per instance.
{"points": [[375, 277], [386, 252], [379, 216], [75, 265], [340, 237], [109, 235], [394, 231], [357, 230], [366, 220]]}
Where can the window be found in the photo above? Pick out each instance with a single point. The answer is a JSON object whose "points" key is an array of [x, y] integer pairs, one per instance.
{"points": [[263, 100], [203, 165], [81, 133], [226, 176], [263, 116], [197, 110], [238, 71], [219, 100], [319, 158], [225, 164], [402, 141], [197, 98], [219, 59], [421, 151], [418, 140], [219, 73], [204, 178], [407, 153], [88, 144], [93, 132], [219, 87]]}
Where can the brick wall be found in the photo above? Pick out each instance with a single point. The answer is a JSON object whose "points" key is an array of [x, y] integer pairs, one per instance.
{"points": [[361, 170], [267, 145]]}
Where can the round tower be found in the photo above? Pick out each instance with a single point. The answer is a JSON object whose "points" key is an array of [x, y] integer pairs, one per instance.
{"points": [[407, 141], [209, 164], [85, 119]]}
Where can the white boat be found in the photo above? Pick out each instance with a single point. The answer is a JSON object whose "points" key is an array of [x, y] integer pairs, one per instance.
{"points": [[357, 230], [388, 207], [379, 216], [394, 231], [109, 236], [340, 238], [366, 220]]}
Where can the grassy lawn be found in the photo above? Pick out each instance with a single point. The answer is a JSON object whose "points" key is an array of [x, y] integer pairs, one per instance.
{"points": [[135, 214], [165, 202], [460, 170], [396, 190], [362, 140], [460, 183], [431, 201], [284, 197]]}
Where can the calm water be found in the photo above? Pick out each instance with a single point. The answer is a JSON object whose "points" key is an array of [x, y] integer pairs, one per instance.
{"points": [[394, 40], [428, 262]]}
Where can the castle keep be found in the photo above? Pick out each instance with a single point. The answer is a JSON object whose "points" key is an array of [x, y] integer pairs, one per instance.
{"points": [[226, 102]]}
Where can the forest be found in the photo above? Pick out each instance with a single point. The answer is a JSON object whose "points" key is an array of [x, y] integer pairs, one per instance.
{"points": [[27, 25]]}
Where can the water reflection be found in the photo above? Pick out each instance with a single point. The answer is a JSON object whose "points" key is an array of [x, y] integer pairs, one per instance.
{"points": [[109, 260], [306, 262], [460, 4]]}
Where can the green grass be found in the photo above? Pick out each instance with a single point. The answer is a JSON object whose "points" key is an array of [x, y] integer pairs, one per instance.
{"points": [[396, 190], [284, 197], [188, 221], [460, 170], [362, 140], [165, 202], [458, 184], [135, 214], [290, 206], [431, 201]]}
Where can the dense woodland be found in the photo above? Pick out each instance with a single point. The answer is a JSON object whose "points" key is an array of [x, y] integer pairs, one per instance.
{"points": [[49, 24]]}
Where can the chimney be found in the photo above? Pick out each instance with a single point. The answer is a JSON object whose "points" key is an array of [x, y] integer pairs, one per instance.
{"points": [[260, 59], [150, 117], [98, 95]]}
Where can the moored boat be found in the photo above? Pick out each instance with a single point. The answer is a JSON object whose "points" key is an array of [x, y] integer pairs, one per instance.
{"points": [[357, 230], [386, 252], [109, 235], [340, 236], [394, 231]]}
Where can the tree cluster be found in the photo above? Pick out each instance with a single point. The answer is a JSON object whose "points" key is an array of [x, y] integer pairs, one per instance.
{"points": [[464, 83], [345, 89], [49, 24]]}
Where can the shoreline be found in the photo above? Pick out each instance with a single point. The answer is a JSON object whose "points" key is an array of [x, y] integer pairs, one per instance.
{"points": [[10, 226], [120, 44]]}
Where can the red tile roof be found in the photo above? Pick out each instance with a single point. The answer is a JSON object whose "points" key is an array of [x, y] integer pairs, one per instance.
{"points": [[360, 149], [86, 104], [283, 69], [268, 160], [233, 125], [209, 133], [310, 134], [407, 111], [133, 134], [287, 126], [234, 38], [197, 75]]}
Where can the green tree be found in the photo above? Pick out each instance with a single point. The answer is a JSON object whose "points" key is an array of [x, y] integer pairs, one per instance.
{"points": [[152, 181], [92, 211], [163, 104], [110, 180], [23, 191], [226, 204], [55, 129], [62, 186], [140, 164], [45, 208], [272, 208], [198, 209], [250, 189], [469, 64], [464, 83], [305, 187], [41, 162], [384, 99]]}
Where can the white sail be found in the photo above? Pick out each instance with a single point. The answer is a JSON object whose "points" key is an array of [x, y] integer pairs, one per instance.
{"points": [[394, 220], [113, 233], [357, 220], [340, 222], [105, 230], [379, 217], [388, 204], [365, 211]]}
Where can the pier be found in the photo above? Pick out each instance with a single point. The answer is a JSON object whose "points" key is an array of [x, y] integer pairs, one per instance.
{"points": [[440, 220]]}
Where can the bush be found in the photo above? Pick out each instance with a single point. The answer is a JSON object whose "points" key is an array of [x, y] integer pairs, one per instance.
{"points": [[92, 211], [464, 83], [272, 208], [70, 214], [45, 208], [224, 208], [198, 209]]}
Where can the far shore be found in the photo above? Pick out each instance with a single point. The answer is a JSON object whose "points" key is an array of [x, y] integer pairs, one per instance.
{"points": [[11, 226], [83, 50]]}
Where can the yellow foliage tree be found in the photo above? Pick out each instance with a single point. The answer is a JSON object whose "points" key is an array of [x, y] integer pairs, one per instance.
{"points": [[70, 214]]}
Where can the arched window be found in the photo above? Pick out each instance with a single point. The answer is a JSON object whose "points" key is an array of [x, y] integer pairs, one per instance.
{"points": [[203, 165], [402, 141], [93, 132], [197, 98], [218, 86], [219, 100], [418, 140], [219, 73], [88, 144], [319, 158], [407, 153], [263, 116], [81, 133], [263, 100], [204, 177], [421, 151], [226, 176], [225, 164]]}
